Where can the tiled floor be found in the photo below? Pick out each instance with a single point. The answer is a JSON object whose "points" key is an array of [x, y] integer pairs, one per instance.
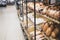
{"points": [[10, 28]]}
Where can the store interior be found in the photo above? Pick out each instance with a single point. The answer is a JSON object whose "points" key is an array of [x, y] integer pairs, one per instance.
{"points": [[30, 20]]}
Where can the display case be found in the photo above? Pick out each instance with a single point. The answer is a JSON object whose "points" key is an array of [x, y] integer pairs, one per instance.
{"points": [[40, 21]]}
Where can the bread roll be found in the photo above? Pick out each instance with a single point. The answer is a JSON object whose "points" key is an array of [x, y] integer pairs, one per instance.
{"points": [[45, 27], [45, 10], [57, 15], [51, 13], [31, 5], [55, 32], [53, 35], [49, 30]]}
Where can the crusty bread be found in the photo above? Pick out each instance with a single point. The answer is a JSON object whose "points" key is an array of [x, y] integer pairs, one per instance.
{"points": [[55, 33], [45, 27], [38, 5], [49, 30]]}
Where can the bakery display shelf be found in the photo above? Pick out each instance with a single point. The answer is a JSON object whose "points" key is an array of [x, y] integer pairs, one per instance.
{"points": [[49, 38], [52, 19], [42, 32], [29, 11], [29, 36]]}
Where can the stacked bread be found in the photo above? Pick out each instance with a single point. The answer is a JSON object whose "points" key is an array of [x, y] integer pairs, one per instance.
{"points": [[50, 29], [39, 35], [51, 11], [38, 6]]}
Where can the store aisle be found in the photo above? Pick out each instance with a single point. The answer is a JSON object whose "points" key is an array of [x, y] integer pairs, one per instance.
{"points": [[9, 24]]}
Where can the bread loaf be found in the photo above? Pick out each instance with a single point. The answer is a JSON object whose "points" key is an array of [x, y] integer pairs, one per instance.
{"points": [[45, 27], [45, 10], [51, 13], [55, 32], [49, 30], [31, 5]]}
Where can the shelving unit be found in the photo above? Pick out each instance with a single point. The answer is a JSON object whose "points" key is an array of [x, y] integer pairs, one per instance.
{"points": [[36, 26]]}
